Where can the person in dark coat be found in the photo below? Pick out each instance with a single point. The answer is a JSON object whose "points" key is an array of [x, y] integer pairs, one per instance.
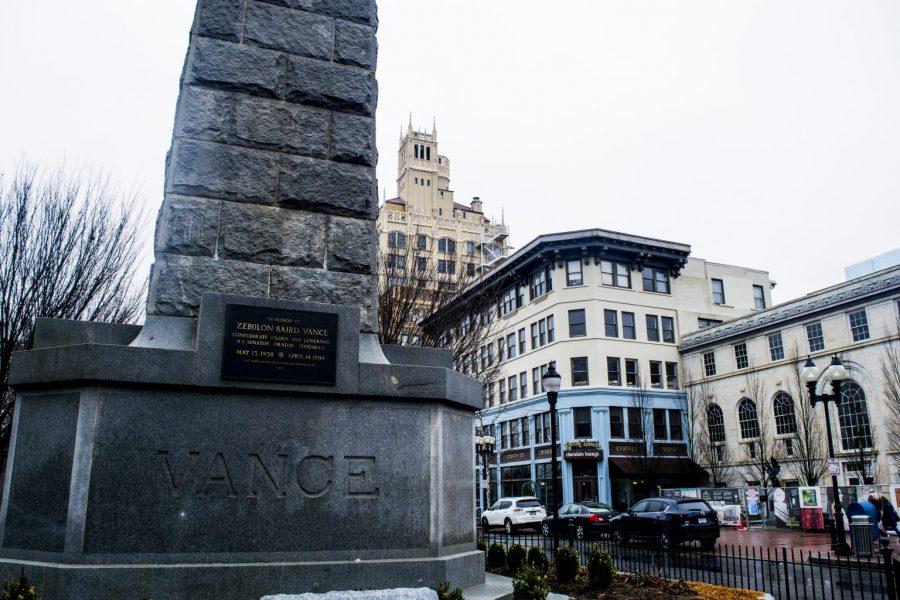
{"points": [[889, 517]]}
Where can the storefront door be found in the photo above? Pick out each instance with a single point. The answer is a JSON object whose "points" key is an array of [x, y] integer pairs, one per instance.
{"points": [[584, 480]]}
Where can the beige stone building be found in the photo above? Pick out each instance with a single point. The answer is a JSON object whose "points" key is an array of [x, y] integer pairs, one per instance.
{"points": [[457, 240]]}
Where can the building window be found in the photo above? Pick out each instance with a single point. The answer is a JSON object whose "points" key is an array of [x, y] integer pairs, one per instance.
{"points": [[502, 390], [542, 326], [536, 386], [508, 302], [704, 323], [573, 273], [534, 336], [449, 267], [611, 323], [660, 428], [635, 423], [515, 432], [709, 363], [579, 370], [859, 325], [416, 150], [655, 280], [748, 419], [616, 422], [656, 374], [551, 330], [522, 341], [470, 269], [759, 297], [427, 152], [421, 241], [582, 418], [577, 327], [740, 356], [676, 429], [421, 263], [718, 291], [814, 337], [504, 434], [788, 449], [447, 245], [631, 371], [672, 375], [629, 331], [615, 273], [523, 387], [511, 346], [470, 248], [613, 370], [500, 350], [715, 420], [785, 419], [542, 431], [853, 415], [396, 240], [512, 389], [395, 261], [776, 346], [668, 330], [653, 328], [540, 283]]}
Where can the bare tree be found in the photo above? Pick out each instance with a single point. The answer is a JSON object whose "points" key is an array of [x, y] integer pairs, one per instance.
{"points": [[809, 462], [707, 448], [890, 376], [764, 451], [641, 435], [68, 250]]}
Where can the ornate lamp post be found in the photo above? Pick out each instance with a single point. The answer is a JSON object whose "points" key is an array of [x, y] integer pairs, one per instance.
{"points": [[485, 446], [835, 373], [552, 382]]}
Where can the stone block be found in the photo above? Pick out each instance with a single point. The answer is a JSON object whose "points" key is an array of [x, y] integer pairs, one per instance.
{"points": [[362, 11], [327, 186], [311, 285], [236, 67], [178, 282], [228, 172], [270, 235], [353, 139], [350, 243], [355, 44], [281, 126], [221, 19], [331, 86], [395, 594], [188, 226], [205, 114], [288, 30]]}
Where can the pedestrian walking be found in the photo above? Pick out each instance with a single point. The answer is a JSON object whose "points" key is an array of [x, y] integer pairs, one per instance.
{"points": [[889, 517]]}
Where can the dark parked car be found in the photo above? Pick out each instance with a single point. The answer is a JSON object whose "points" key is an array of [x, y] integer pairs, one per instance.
{"points": [[668, 522], [587, 519]]}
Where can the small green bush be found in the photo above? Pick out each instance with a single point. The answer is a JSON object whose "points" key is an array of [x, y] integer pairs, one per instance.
{"points": [[566, 561], [600, 568], [538, 559], [530, 584], [19, 590], [496, 556], [480, 545], [445, 593], [515, 558]]}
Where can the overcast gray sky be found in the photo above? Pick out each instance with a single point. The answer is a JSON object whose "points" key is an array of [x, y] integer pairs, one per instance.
{"points": [[763, 133]]}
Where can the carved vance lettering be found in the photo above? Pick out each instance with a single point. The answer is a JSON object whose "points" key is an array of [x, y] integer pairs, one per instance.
{"points": [[218, 475], [315, 475], [361, 477], [174, 482], [256, 464]]}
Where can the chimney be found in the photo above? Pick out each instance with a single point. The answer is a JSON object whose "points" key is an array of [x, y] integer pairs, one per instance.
{"points": [[476, 204]]}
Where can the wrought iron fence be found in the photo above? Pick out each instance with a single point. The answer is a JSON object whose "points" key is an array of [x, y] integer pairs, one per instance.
{"points": [[786, 574]]}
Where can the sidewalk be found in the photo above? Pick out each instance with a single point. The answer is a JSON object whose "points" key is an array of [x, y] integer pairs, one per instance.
{"points": [[792, 539]]}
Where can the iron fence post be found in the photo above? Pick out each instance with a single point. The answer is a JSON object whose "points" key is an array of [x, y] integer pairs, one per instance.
{"points": [[887, 556], [787, 588]]}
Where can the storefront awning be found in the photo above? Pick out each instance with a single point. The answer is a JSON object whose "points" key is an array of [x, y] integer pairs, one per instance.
{"points": [[656, 468]]}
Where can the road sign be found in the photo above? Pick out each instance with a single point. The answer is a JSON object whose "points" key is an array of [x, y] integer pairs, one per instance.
{"points": [[834, 466]]}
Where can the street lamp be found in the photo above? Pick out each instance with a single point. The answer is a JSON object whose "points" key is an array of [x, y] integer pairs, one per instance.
{"points": [[552, 382], [835, 373], [485, 445]]}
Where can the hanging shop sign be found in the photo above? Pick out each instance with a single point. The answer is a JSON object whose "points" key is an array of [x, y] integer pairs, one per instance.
{"points": [[583, 450]]}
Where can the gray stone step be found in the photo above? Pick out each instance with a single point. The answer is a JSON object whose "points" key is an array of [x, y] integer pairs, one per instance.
{"points": [[497, 587]]}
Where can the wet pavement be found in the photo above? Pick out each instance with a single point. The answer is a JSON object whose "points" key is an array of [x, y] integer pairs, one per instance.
{"points": [[792, 539]]}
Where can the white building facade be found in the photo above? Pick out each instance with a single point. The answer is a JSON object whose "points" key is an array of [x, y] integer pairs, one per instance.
{"points": [[609, 309], [748, 370]]}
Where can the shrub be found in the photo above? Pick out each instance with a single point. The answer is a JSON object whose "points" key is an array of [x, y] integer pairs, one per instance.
{"points": [[566, 561], [480, 545], [515, 558], [530, 584], [538, 559], [496, 556], [19, 590], [445, 593], [600, 568]]}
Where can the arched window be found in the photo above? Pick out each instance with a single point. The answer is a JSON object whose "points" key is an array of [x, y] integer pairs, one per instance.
{"points": [[785, 418], [716, 422], [748, 419], [854, 418]]}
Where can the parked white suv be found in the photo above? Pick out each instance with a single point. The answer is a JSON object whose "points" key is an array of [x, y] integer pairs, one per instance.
{"points": [[513, 513]]}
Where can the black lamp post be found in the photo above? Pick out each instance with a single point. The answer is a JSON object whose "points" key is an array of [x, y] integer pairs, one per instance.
{"points": [[835, 373], [552, 382], [485, 445]]}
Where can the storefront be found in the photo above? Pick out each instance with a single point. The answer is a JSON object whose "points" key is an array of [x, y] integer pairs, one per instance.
{"points": [[584, 456]]}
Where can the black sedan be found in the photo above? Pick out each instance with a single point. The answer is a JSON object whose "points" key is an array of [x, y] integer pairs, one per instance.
{"points": [[586, 519], [668, 522]]}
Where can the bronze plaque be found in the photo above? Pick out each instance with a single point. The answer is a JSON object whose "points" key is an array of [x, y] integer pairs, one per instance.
{"points": [[279, 345]]}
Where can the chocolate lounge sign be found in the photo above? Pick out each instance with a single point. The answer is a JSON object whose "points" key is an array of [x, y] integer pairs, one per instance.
{"points": [[583, 451]]}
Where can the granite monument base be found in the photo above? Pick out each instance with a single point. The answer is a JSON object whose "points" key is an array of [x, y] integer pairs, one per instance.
{"points": [[141, 472]]}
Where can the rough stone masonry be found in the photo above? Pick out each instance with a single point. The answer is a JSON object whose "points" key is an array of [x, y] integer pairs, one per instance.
{"points": [[270, 186]]}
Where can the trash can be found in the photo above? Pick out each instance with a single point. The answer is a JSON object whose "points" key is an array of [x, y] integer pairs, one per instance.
{"points": [[861, 535]]}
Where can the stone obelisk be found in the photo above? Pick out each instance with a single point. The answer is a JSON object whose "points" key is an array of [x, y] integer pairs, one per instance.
{"points": [[251, 437]]}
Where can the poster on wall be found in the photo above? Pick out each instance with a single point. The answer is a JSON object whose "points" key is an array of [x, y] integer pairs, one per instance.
{"points": [[895, 495], [778, 507], [726, 502], [751, 497], [809, 497]]}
